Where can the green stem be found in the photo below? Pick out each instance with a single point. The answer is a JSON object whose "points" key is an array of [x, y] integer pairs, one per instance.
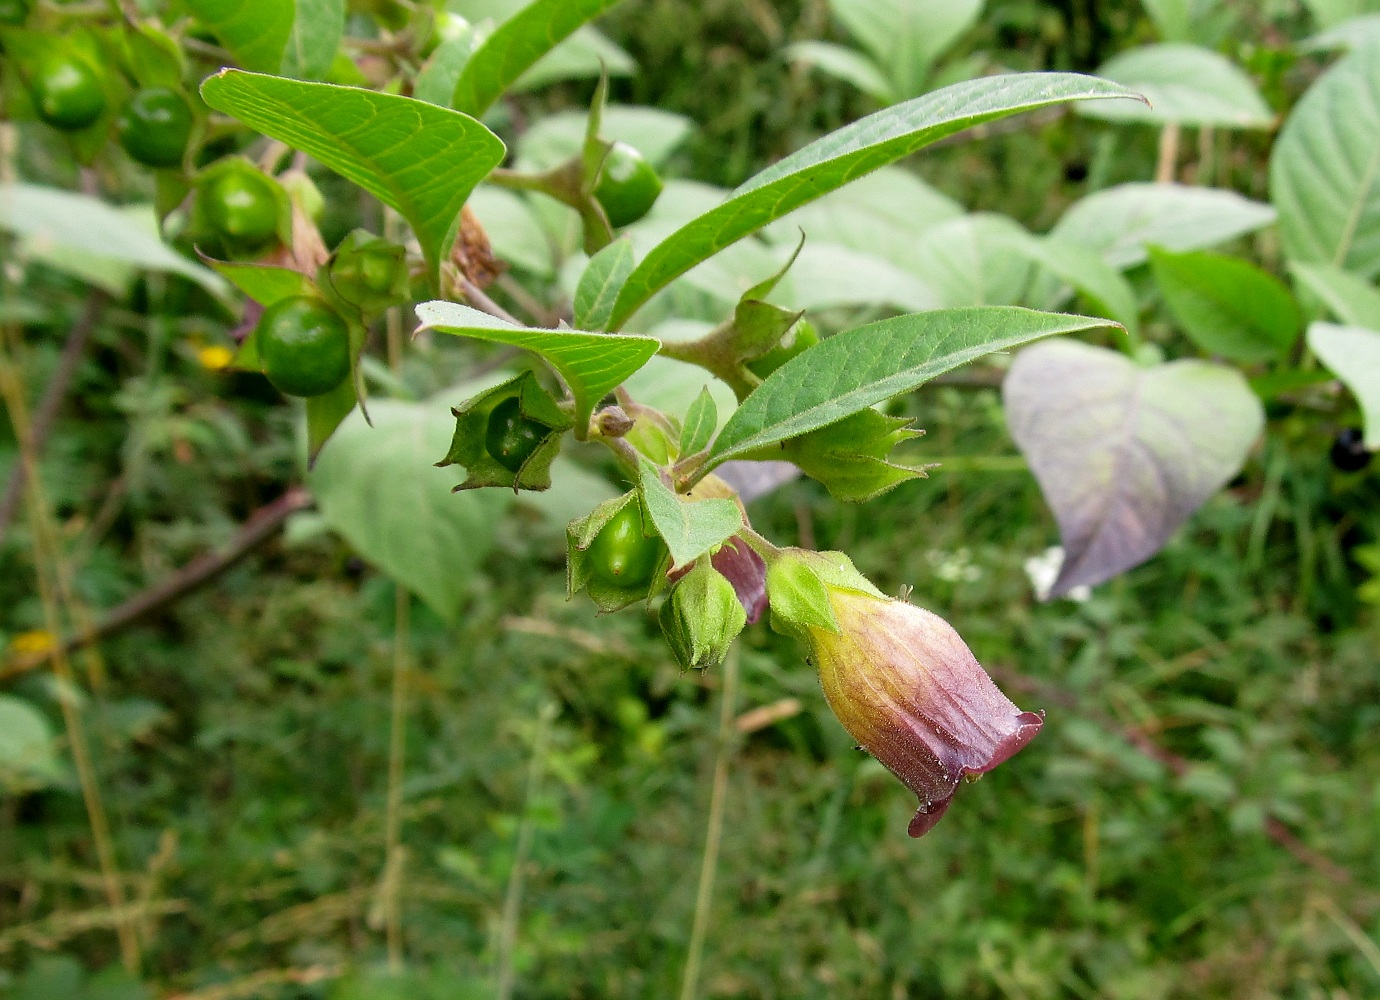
{"points": [[689, 985]]}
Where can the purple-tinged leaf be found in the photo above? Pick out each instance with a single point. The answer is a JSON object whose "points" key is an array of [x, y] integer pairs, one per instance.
{"points": [[1124, 454]]}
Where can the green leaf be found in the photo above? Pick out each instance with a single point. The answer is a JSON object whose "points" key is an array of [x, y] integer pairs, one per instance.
{"points": [[969, 261], [1184, 83], [701, 421], [1227, 306], [844, 64], [1325, 169], [552, 140], [1124, 454], [1332, 13], [316, 33], [325, 413], [1353, 355], [592, 364], [376, 487], [28, 748], [1084, 270], [906, 37], [582, 56], [1351, 300], [435, 81], [255, 31], [834, 160], [1353, 33], [690, 528], [264, 283], [1120, 222], [603, 276], [825, 276], [515, 45], [50, 218], [866, 365], [420, 159]]}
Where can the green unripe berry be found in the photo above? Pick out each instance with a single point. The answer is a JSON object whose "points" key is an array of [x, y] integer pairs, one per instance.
{"points": [[13, 13], [155, 127], [621, 555], [510, 438], [304, 346], [628, 185], [242, 207], [67, 93]]}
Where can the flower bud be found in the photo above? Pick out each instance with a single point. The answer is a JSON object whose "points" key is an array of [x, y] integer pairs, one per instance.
{"points": [[702, 616], [369, 272], [899, 678]]}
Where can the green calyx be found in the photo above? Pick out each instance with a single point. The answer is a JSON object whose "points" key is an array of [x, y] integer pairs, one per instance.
{"points": [[369, 272], [628, 185], [67, 91], [610, 554], [802, 336], [701, 617], [508, 436], [850, 457], [304, 346], [155, 127], [798, 586]]}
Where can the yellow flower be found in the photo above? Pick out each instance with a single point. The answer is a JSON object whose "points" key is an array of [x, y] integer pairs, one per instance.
{"points": [[215, 357], [35, 643]]}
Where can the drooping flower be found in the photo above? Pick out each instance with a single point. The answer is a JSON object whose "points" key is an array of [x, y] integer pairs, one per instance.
{"points": [[900, 679]]}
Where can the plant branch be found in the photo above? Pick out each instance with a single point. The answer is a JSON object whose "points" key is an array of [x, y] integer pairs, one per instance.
{"points": [[261, 526], [54, 395]]}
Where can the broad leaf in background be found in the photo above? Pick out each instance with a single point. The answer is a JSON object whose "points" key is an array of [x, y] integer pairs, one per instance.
{"points": [[1179, 20], [1353, 355], [264, 283], [844, 64], [1330, 13], [1325, 169], [515, 234], [376, 487], [835, 159], [28, 749], [592, 364], [690, 528], [1120, 222], [50, 219], [555, 138], [969, 260], [1124, 454], [906, 37], [316, 32], [826, 276], [1184, 84], [1351, 300], [517, 44], [255, 31], [599, 284], [420, 159], [1355, 33], [582, 56], [1228, 306], [859, 368], [1083, 270]]}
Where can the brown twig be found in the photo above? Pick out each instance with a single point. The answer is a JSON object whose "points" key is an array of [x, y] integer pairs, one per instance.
{"points": [[259, 528], [1177, 765], [54, 395]]}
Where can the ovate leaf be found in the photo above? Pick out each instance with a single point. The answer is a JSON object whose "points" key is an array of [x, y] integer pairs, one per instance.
{"points": [[1353, 355], [28, 748], [1228, 306], [690, 528], [316, 33], [599, 284], [841, 156], [906, 37], [866, 365], [1124, 454], [515, 45], [1185, 84], [701, 421], [1351, 300], [420, 159], [844, 64], [1325, 169], [255, 31], [376, 486], [591, 363], [63, 220], [1121, 222], [264, 283]]}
